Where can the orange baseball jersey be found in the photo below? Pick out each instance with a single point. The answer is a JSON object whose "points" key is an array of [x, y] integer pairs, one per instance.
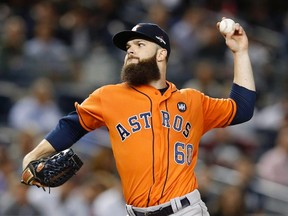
{"points": [[154, 137]]}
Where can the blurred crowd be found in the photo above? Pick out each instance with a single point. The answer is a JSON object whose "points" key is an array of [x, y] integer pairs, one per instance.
{"points": [[54, 53]]}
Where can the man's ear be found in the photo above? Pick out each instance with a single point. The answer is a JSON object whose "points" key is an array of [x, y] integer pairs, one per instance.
{"points": [[162, 54]]}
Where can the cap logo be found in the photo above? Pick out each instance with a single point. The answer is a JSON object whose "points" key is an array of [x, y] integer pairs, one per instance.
{"points": [[135, 28], [161, 39]]}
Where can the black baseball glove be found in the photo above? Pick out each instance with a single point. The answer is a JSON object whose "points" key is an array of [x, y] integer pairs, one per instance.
{"points": [[52, 171]]}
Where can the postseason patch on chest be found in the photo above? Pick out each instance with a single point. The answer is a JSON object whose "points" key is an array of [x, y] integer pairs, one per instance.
{"points": [[181, 106]]}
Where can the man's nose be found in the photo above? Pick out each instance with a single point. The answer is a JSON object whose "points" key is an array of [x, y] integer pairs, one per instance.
{"points": [[130, 51]]}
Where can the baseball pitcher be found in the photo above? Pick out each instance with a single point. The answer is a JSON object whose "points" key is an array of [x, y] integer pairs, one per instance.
{"points": [[155, 128]]}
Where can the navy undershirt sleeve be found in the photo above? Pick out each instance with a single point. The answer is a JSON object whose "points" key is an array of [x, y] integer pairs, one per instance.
{"points": [[67, 132], [245, 101]]}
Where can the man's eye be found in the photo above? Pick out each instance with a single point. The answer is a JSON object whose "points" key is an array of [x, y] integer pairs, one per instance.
{"points": [[141, 44]]}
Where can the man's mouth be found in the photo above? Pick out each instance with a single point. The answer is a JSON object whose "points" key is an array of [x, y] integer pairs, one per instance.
{"points": [[132, 60]]}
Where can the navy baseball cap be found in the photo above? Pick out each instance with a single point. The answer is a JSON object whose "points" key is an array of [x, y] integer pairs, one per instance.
{"points": [[147, 31]]}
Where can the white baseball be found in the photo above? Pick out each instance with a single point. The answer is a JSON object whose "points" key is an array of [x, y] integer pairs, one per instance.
{"points": [[227, 26]]}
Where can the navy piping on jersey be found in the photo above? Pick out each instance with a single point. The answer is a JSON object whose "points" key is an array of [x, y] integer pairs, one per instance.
{"points": [[168, 153], [153, 145]]}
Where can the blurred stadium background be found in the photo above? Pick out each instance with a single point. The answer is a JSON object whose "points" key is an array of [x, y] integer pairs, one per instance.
{"points": [[54, 53]]}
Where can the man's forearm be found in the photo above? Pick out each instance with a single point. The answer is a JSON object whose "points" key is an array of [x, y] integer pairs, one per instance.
{"points": [[243, 73], [42, 150]]}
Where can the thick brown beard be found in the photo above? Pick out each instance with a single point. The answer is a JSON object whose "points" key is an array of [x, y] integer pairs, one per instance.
{"points": [[141, 73]]}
